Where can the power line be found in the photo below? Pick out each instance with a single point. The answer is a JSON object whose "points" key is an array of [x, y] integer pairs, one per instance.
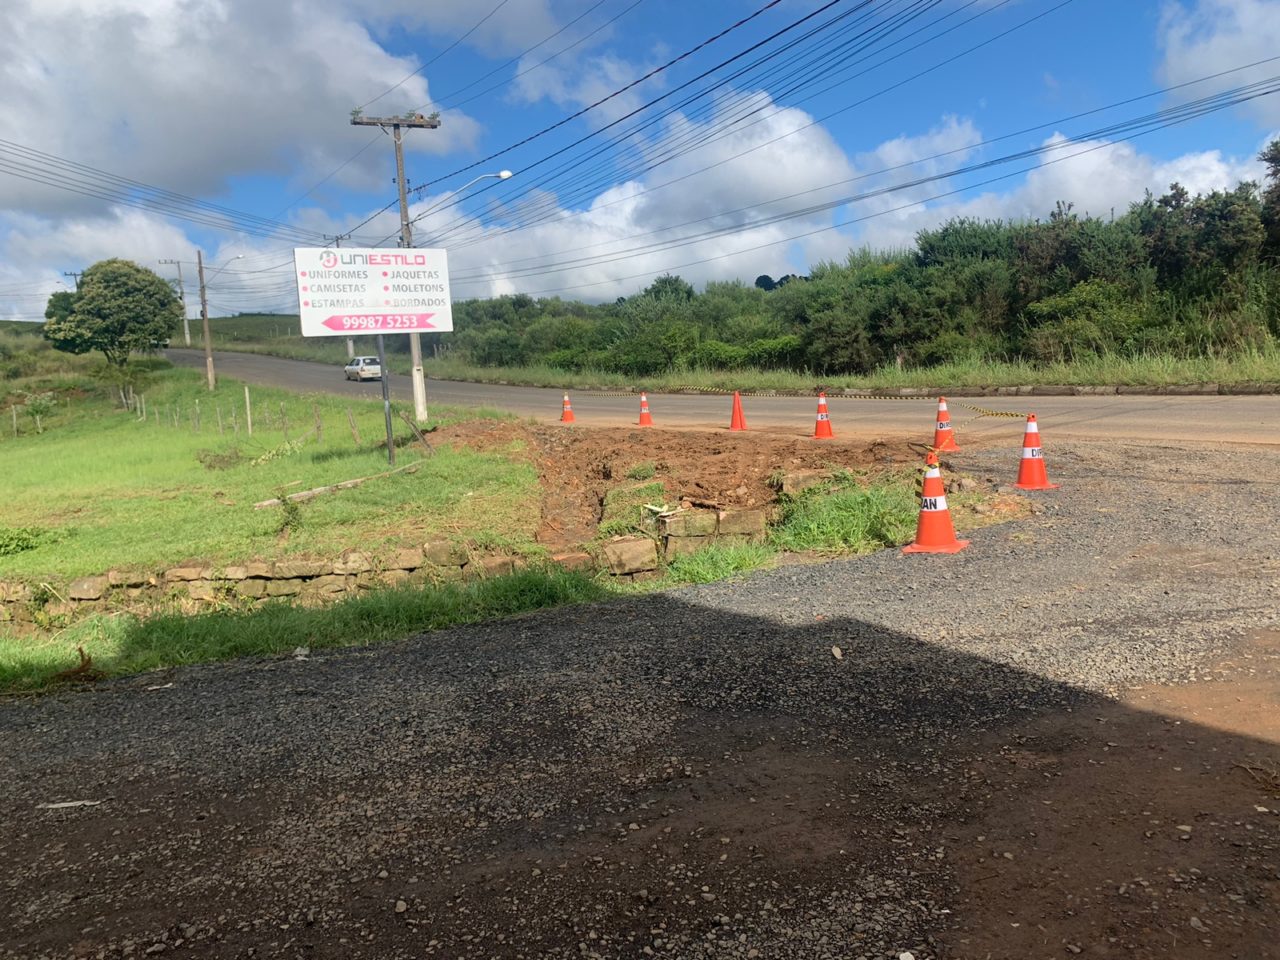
{"points": [[402, 82], [1144, 125], [443, 100], [37, 166], [351, 159], [617, 93], [916, 162], [844, 109], [543, 209]]}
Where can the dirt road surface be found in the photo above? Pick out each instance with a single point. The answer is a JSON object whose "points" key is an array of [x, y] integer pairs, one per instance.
{"points": [[1061, 742], [1206, 419]]}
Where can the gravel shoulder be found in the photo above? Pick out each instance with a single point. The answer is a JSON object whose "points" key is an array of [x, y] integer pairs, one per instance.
{"points": [[694, 774]]}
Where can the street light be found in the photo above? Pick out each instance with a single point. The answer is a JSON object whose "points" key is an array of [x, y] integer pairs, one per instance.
{"points": [[204, 313], [416, 374], [500, 175]]}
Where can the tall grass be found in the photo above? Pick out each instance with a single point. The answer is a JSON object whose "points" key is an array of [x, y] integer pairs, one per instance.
{"points": [[720, 562], [850, 519]]}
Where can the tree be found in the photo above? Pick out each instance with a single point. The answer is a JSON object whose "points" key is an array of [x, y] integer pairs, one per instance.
{"points": [[120, 308], [669, 286], [1271, 198], [60, 305]]}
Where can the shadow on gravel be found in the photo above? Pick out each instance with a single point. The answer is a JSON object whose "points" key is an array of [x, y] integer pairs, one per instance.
{"points": [[645, 777]]}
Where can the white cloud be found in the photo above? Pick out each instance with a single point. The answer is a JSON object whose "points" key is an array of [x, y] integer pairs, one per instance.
{"points": [[1204, 37], [743, 184], [188, 94], [1108, 177], [507, 31]]}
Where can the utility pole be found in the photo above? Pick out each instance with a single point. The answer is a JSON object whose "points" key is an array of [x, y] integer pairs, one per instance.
{"points": [[72, 273], [411, 120], [182, 295], [204, 319]]}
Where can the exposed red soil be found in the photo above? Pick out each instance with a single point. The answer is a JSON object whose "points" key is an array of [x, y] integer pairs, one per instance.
{"points": [[578, 466]]}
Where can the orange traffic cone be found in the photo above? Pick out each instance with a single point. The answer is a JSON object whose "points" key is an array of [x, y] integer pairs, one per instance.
{"points": [[738, 421], [1031, 472], [822, 429], [944, 438], [566, 415], [645, 419], [934, 530]]}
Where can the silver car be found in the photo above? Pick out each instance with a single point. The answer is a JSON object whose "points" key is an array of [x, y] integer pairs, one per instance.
{"points": [[363, 368]]}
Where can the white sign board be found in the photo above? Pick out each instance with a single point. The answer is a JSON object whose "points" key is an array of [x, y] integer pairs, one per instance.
{"points": [[344, 292]]}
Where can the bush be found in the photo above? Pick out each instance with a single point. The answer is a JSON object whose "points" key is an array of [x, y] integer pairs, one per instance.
{"points": [[715, 355]]}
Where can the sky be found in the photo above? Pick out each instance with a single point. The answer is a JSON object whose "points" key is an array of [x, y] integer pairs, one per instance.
{"points": [[719, 140]]}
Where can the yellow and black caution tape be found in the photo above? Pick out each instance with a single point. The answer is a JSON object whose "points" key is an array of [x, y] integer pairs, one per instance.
{"points": [[984, 412]]}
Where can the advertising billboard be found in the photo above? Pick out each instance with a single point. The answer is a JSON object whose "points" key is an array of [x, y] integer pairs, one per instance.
{"points": [[350, 292]]}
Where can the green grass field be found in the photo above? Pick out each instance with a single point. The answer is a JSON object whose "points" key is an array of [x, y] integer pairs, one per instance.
{"points": [[103, 489]]}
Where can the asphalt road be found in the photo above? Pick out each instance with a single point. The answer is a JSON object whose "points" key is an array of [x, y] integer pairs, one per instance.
{"points": [[1201, 419]]}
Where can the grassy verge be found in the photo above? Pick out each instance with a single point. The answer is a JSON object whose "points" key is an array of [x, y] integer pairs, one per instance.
{"points": [[848, 517], [1248, 366], [1155, 370], [720, 563], [100, 488], [122, 645]]}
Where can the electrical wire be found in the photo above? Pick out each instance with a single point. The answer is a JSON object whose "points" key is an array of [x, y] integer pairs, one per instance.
{"points": [[444, 100], [844, 109], [1173, 117], [27, 163], [922, 160], [410, 76], [617, 93], [548, 206]]}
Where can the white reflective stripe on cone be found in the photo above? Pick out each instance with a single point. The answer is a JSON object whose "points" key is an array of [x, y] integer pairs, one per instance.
{"points": [[1032, 453], [933, 504], [1033, 427], [932, 472]]}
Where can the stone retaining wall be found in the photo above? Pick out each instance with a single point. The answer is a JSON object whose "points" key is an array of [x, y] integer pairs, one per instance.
{"points": [[682, 533], [197, 586]]}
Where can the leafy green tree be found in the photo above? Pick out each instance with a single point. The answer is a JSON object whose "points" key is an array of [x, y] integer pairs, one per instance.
{"points": [[60, 305], [120, 308], [669, 286], [1271, 199]]}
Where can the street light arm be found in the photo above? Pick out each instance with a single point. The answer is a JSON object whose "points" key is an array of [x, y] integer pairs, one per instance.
{"points": [[501, 175], [230, 260]]}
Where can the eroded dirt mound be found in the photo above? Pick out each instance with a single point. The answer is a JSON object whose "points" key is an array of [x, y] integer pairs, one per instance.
{"points": [[578, 466]]}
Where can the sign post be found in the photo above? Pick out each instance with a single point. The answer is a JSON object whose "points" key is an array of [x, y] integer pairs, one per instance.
{"points": [[346, 291]]}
